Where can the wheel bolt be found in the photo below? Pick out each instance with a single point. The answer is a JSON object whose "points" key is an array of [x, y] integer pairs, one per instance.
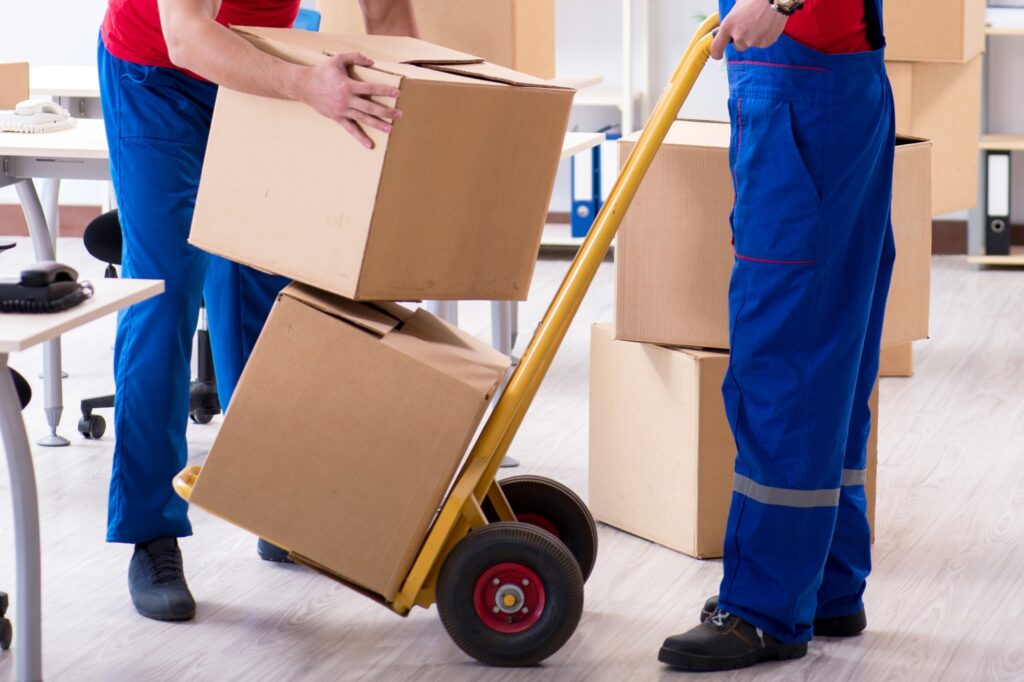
{"points": [[526, 610], [496, 582], [497, 610], [526, 582]]}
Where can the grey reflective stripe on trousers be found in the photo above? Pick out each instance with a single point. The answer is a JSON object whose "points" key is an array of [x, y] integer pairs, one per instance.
{"points": [[854, 477], [790, 497]]}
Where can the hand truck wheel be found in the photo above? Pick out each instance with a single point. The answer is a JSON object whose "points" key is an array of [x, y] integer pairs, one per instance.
{"points": [[92, 426], [552, 506], [509, 594]]}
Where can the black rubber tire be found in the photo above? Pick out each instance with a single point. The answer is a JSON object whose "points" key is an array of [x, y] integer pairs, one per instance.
{"points": [[560, 506], [201, 416], [92, 426], [6, 634], [527, 545]]}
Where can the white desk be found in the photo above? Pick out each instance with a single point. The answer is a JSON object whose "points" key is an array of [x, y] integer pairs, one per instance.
{"points": [[79, 153], [76, 88], [17, 333]]}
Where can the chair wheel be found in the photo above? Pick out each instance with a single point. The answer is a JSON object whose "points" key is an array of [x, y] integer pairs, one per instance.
{"points": [[92, 426], [201, 416], [552, 506], [509, 594], [6, 634]]}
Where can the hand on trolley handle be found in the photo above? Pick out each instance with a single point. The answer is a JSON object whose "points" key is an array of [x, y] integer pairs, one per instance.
{"points": [[506, 562]]}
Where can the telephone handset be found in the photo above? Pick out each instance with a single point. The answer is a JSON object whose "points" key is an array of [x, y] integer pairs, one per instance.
{"points": [[45, 287], [31, 107], [35, 116]]}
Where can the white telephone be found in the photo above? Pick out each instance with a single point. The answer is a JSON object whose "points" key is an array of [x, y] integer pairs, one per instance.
{"points": [[36, 116]]}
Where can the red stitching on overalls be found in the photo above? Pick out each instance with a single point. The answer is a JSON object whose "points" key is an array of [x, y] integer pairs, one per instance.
{"points": [[776, 262], [779, 66]]}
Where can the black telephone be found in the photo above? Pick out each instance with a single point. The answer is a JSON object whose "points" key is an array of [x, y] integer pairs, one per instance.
{"points": [[45, 287]]}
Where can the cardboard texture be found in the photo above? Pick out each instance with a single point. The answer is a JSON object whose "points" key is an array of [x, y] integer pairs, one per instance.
{"points": [[519, 34], [942, 103], [346, 430], [897, 361], [450, 206], [934, 30], [13, 84], [674, 255], [661, 452]]}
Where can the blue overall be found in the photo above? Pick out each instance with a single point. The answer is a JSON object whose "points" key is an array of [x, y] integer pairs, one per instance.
{"points": [[157, 123], [812, 156]]}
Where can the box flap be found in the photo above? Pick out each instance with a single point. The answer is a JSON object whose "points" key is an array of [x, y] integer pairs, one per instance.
{"points": [[497, 74], [376, 318], [688, 133]]}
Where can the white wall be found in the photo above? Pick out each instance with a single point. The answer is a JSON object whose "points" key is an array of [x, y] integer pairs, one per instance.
{"points": [[589, 42]]}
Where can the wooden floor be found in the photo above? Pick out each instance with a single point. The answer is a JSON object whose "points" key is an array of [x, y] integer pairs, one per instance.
{"points": [[946, 601]]}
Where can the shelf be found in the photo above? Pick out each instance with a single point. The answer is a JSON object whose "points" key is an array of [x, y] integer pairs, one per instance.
{"points": [[1004, 21], [603, 97], [575, 143], [1002, 143], [1016, 258]]}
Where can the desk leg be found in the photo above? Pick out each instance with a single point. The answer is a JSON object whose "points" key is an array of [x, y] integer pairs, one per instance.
{"points": [[43, 246], [501, 326], [28, 650], [51, 208]]}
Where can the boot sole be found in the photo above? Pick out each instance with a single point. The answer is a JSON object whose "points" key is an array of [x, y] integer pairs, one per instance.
{"points": [[167, 618], [701, 664]]}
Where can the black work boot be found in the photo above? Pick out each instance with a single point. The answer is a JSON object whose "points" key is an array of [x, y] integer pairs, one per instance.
{"points": [[271, 552], [156, 581], [836, 626], [725, 642]]}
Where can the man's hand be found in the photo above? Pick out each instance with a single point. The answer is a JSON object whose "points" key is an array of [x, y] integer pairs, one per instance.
{"points": [[751, 23], [328, 88]]}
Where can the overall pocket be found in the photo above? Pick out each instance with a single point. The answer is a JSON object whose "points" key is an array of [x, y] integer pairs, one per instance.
{"points": [[778, 155]]}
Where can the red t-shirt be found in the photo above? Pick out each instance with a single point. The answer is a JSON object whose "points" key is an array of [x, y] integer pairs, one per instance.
{"points": [[131, 28], [833, 26]]}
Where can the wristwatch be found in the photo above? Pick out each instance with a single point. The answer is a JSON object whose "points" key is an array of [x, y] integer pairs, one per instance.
{"points": [[786, 7]]}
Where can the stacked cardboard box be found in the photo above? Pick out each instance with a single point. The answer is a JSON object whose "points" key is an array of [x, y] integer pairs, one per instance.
{"points": [[352, 416], [13, 83], [661, 454], [934, 59]]}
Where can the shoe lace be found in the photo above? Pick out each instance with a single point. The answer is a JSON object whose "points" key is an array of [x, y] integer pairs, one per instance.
{"points": [[167, 567], [719, 617]]}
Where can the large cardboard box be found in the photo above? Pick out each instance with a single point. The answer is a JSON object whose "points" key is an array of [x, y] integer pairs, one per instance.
{"points": [[674, 254], [519, 34], [450, 206], [897, 361], [345, 432], [934, 30], [942, 103], [661, 451], [13, 84]]}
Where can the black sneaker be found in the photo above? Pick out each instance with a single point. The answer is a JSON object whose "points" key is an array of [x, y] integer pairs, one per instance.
{"points": [[156, 581], [271, 552], [836, 626], [725, 642]]}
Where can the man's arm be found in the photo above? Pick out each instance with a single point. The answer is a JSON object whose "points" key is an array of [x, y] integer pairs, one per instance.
{"points": [[196, 42], [389, 18]]}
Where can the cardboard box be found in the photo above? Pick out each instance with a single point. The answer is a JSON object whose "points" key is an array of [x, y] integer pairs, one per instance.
{"points": [[13, 84], [897, 361], [934, 30], [674, 255], [450, 206], [345, 432], [942, 103], [519, 34], [661, 451]]}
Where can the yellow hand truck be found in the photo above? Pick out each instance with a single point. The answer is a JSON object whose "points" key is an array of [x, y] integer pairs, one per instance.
{"points": [[506, 561]]}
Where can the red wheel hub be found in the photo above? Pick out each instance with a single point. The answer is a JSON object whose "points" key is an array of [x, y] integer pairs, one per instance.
{"points": [[509, 598], [542, 522]]}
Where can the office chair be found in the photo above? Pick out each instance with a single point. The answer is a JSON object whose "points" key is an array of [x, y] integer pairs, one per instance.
{"points": [[103, 241]]}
